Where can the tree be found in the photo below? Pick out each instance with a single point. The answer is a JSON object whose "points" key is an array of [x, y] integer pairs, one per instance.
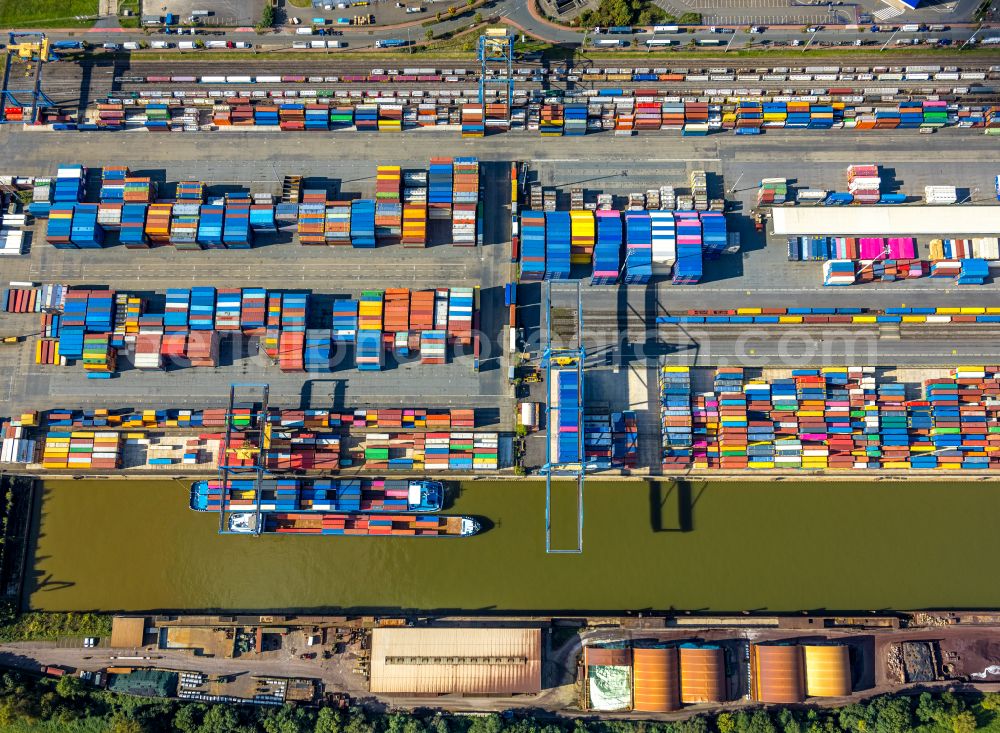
{"points": [[439, 724], [124, 724], [187, 719], [220, 719], [70, 687], [287, 719], [486, 724], [470, 3], [452, 10], [964, 722], [725, 722], [892, 714], [437, 16], [788, 722], [478, 18], [358, 723], [697, 724], [429, 34], [760, 722], [991, 701], [329, 721]]}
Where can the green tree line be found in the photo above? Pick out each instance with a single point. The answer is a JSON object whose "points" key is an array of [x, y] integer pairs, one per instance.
{"points": [[631, 12], [32, 704]]}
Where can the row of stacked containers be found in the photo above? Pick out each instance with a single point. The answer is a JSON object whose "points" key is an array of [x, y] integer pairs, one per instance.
{"points": [[404, 202], [830, 418], [94, 325], [622, 110], [660, 677], [655, 243]]}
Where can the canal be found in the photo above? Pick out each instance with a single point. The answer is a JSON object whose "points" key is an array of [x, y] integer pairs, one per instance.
{"points": [[762, 546]]}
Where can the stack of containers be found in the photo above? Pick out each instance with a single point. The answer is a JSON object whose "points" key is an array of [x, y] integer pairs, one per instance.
{"points": [[337, 228], [772, 192], [175, 314], [157, 222], [533, 246], [973, 272], [74, 324], [363, 223], [370, 311], [113, 184], [583, 235], [202, 309], [688, 267], [676, 417], [568, 425], [663, 235], [60, 226], [369, 353], [311, 225], [638, 248], [714, 235], [460, 305], [139, 190], [69, 184], [864, 184], [252, 309], [85, 232], [210, 226], [317, 117], [98, 356], [149, 344], [624, 439], [236, 233], [838, 272], [465, 198], [191, 191], [388, 209], [317, 350], [558, 240], [272, 326], [575, 119], [439, 188], [396, 310], [184, 226], [291, 348], [473, 123], [550, 123], [262, 218], [41, 198], [227, 310], [345, 321], [100, 311], [607, 252], [433, 347], [415, 224], [82, 451]]}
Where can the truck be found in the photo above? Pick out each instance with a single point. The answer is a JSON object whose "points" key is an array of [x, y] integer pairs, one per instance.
{"points": [[913, 28], [620, 29], [391, 43]]}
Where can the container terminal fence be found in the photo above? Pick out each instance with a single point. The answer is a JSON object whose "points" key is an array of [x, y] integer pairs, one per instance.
{"points": [[96, 327], [412, 207], [832, 418]]}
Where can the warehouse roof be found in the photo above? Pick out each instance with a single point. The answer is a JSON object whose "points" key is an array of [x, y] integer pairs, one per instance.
{"points": [[127, 631], [702, 674], [464, 661], [885, 221], [828, 670], [656, 680], [777, 674]]}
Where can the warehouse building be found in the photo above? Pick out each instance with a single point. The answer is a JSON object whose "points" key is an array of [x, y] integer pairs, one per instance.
{"points": [[609, 677], [828, 670], [656, 679], [886, 221], [776, 674], [703, 674], [463, 661]]}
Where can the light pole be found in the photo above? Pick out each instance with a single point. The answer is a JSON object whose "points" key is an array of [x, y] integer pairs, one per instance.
{"points": [[889, 41]]}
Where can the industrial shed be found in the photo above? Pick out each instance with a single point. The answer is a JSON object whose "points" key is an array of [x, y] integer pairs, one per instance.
{"points": [[703, 674], [609, 677], [828, 670], [886, 221], [777, 673], [656, 679], [461, 661], [127, 632]]}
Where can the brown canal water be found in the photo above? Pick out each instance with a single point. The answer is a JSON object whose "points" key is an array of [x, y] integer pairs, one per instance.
{"points": [[763, 546]]}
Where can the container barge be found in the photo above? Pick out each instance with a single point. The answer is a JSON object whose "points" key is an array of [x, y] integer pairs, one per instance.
{"points": [[360, 525], [389, 496]]}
